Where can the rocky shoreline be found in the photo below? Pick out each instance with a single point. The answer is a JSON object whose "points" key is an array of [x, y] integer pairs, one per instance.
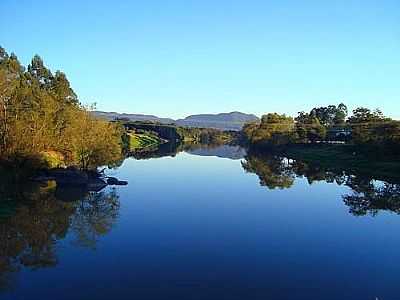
{"points": [[92, 180]]}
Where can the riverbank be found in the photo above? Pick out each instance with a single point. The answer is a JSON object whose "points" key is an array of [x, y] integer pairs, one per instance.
{"points": [[144, 141], [22, 171]]}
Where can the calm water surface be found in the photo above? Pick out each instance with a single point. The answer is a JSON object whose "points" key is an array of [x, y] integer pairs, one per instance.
{"points": [[205, 225]]}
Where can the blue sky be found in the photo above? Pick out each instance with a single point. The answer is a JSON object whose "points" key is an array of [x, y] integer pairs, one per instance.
{"points": [[174, 58]]}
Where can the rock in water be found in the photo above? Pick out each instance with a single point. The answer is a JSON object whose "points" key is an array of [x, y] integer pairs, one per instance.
{"points": [[115, 181], [112, 181]]}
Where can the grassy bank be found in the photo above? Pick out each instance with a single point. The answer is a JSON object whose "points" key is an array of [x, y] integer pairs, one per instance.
{"points": [[142, 141]]}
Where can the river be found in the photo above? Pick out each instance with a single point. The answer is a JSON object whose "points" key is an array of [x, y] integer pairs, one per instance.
{"points": [[205, 223]]}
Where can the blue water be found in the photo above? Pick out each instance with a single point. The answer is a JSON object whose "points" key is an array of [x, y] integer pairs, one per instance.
{"points": [[200, 227]]}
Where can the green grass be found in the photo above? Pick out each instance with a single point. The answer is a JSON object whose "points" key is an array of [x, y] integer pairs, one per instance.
{"points": [[143, 141]]}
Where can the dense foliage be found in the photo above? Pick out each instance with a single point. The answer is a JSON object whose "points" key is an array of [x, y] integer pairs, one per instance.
{"points": [[205, 135], [373, 128], [326, 124], [40, 115], [177, 134]]}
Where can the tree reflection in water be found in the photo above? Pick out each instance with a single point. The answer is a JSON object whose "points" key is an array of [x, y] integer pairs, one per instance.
{"points": [[273, 171], [29, 236], [369, 194], [370, 198], [94, 217], [34, 218]]}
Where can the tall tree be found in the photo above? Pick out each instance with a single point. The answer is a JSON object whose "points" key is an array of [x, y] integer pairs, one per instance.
{"points": [[40, 113], [62, 89], [330, 115], [365, 115], [341, 114], [273, 128], [38, 71]]}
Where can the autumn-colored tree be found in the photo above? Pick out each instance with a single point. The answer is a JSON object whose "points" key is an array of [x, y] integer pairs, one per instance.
{"points": [[40, 113], [94, 142]]}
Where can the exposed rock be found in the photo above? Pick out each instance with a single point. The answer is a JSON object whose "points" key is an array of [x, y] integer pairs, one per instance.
{"points": [[69, 176], [112, 180], [115, 181], [122, 182], [89, 180]]}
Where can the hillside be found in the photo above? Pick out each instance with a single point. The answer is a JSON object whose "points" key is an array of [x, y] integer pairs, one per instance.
{"points": [[222, 121], [131, 117]]}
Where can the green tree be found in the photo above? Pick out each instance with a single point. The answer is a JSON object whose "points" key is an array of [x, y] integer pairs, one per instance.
{"points": [[365, 115], [309, 128], [330, 115], [40, 113], [62, 89], [373, 128], [38, 71], [274, 129]]}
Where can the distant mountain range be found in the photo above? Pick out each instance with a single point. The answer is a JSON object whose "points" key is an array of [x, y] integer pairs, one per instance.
{"points": [[223, 121], [132, 117]]}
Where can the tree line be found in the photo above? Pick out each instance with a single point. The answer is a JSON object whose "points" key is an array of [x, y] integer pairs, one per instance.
{"points": [[331, 123], [40, 115], [180, 134]]}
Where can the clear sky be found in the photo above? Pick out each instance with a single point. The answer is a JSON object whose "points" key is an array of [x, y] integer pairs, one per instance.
{"points": [[174, 58]]}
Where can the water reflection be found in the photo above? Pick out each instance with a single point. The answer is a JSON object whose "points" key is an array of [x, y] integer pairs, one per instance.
{"points": [[371, 197], [172, 149], [222, 151], [34, 219], [166, 149], [94, 216], [369, 194], [273, 172]]}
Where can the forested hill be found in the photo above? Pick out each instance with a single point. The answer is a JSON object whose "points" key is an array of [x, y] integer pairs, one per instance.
{"points": [[223, 121]]}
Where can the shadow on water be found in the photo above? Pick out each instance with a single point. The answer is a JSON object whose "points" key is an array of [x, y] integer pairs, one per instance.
{"points": [[369, 194], [34, 217]]}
